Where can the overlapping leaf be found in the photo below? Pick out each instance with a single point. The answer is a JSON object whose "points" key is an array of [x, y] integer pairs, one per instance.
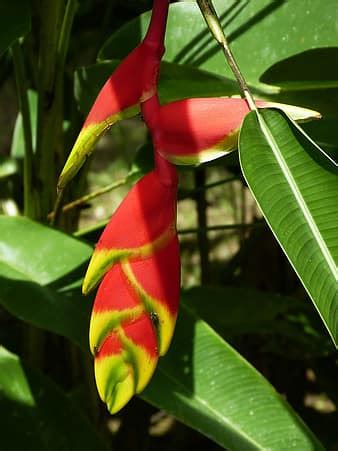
{"points": [[296, 187]]}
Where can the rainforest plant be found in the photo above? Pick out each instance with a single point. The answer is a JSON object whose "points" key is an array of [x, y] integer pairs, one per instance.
{"points": [[136, 261]]}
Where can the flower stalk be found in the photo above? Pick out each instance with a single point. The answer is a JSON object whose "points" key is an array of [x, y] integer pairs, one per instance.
{"points": [[210, 16]]}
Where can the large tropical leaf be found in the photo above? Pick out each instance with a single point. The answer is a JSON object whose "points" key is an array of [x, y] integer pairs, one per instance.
{"points": [[288, 28], [14, 22], [203, 381], [210, 387], [296, 187], [36, 415], [295, 63], [40, 277]]}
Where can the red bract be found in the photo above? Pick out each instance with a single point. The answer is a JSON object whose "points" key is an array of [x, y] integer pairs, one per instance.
{"points": [[193, 131], [133, 82], [136, 305]]}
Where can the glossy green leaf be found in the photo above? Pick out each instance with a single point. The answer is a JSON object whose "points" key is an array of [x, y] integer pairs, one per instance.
{"points": [[40, 277], [207, 384], [288, 28], [176, 82], [296, 187], [210, 387], [14, 22], [36, 415]]}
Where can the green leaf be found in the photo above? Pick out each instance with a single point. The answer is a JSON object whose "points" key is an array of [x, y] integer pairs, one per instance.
{"points": [[203, 381], [40, 277], [288, 326], [18, 142], [176, 82], [14, 22], [288, 28], [36, 415], [296, 187], [8, 167], [211, 388], [310, 78], [260, 308], [312, 69]]}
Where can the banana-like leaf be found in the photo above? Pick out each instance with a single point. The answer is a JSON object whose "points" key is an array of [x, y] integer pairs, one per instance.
{"points": [[296, 187]]}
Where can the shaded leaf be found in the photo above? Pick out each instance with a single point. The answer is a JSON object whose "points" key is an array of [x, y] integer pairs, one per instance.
{"points": [[210, 387], [288, 28], [40, 277], [14, 22], [36, 415]]}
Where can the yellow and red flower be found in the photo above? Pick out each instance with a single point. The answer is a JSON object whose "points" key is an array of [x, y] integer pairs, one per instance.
{"points": [[133, 82], [135, 309]]}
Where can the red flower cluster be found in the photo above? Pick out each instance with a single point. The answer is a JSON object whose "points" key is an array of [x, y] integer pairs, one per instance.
{"points": [[137, 255]]}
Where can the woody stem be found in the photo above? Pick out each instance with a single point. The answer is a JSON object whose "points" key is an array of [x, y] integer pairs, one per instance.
{"points": [[215, 27]]}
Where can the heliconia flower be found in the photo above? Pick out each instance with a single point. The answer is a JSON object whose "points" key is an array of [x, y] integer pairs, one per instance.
{"points": [[133, 82], [197, 130], [136, 305]]}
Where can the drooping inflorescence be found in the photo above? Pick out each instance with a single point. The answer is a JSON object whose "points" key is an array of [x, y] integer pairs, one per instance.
{"points": [[137, 256]]}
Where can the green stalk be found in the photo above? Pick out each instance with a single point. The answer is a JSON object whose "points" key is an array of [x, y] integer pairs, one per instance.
{"points": [[216, 228], [49, 126], [63, 45], [21, 85], [84, 199], [202, 235], [56, 25], [215, 27], [185, 194]]}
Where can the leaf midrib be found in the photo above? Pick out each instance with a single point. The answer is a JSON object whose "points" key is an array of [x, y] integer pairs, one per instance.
{"points": [[298, 195], [219, 417]]}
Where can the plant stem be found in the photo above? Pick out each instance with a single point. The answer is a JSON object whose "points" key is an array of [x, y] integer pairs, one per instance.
{"points": [[62, 49], [84, 199], [21, 84], [49, 125], [66, 29], [203, 242], [215, 27], [185, 194], [215, 228], [192, 231]]}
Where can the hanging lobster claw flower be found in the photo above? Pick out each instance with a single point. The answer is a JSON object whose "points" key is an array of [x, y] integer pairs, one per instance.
{"points": [[198, 130], [133, 82], [135, 309]]}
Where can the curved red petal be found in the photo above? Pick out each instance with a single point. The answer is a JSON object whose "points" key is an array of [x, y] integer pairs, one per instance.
{"points": [[145, 214], [189, 126], [159, 275]]}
